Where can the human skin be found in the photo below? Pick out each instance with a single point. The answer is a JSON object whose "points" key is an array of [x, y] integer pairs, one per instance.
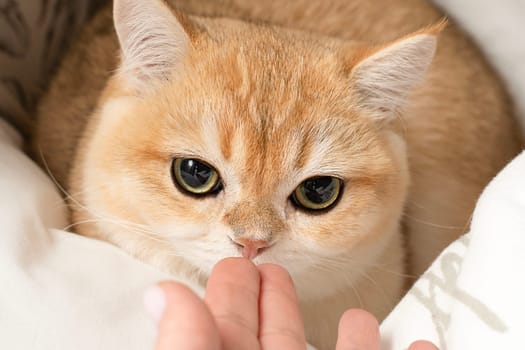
{"points": [[248, 307]]}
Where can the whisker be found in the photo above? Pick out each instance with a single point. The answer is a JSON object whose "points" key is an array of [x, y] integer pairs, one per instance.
{"points": [[431, 224], [126, 225], [359, 299], [53, 178], [388, 298]]}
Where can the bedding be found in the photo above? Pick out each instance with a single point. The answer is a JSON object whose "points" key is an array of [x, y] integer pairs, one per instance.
{"points": [[60, 290], [472, 295]]}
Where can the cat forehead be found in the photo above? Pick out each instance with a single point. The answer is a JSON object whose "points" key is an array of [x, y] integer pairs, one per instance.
{"points": [[299, 142], [265, 82], [267, 54], [240, 33]]}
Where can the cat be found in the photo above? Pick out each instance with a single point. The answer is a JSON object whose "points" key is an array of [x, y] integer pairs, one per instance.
{"points": [[346, 140]]}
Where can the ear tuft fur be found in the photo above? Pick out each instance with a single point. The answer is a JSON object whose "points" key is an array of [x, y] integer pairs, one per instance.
{"points": [[151, 38], [382, 80]]}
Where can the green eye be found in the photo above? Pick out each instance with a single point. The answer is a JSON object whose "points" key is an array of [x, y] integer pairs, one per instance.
{"points": [[317, 193], [195, 177]]}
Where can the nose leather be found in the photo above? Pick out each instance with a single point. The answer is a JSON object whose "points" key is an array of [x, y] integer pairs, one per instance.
{"points": [[251, 248], [255, 225]]}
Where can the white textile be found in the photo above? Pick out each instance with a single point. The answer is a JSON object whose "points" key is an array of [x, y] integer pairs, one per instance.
{"points": [[59, 290], [472, 295]]}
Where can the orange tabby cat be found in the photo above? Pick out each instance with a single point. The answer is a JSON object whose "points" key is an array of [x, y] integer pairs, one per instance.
{"points": [[314, 134]]}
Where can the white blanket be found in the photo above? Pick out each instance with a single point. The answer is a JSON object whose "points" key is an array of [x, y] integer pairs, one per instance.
{"points": [[472, 297], [58, 290]]}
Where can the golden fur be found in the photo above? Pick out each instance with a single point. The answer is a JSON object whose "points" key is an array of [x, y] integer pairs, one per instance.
{"points": [[270, 105]]}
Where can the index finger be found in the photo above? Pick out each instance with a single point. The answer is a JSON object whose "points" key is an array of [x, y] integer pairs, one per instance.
{"points": [[281, 325], [422, 345], [232, 296]]}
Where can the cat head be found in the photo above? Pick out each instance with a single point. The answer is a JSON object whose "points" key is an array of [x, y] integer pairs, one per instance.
{"points": [[221, 138]]}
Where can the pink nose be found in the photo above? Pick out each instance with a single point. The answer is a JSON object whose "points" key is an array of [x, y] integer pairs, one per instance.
{"points": [[250, 248]]}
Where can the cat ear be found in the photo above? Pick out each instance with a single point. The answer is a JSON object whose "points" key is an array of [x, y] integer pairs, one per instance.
{"points": [[382, 80], [151, 38]]}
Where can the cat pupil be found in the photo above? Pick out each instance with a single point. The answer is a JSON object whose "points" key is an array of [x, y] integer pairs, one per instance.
{"points": [[317, 193], [194, 173], [319, 190], [195, 177]]}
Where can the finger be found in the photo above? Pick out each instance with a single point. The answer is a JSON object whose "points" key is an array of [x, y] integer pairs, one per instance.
{"points": [[358, 329], [281, 325], [422, 345], [185, 321], [232, 296]]}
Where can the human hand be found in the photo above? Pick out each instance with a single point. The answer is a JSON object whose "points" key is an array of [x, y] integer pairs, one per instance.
{"points": [[247, 307]]}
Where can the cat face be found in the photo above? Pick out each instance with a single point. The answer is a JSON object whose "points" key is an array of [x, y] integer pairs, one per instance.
{"points": [[219, 138]]}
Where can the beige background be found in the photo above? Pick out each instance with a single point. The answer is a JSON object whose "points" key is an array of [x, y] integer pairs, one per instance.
{"points": [[32, 35]]}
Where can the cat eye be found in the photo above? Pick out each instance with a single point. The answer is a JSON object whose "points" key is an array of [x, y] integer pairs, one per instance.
{"points": [[317, 193], [195, 176]]}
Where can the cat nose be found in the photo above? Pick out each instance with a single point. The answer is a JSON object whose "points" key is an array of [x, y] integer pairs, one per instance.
{"points": [[251, 248]]}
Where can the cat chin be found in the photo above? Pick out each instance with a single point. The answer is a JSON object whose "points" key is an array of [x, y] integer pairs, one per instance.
{"points": [[311, 283]]}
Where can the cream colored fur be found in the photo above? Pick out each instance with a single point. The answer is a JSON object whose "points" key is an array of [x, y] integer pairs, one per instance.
{"points": [[311, 88]]}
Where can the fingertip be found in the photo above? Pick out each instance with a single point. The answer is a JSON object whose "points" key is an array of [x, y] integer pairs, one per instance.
{"points": [[238, 273], [275, 273], [422, 345], [358, 317], [358, 329], [273, 267], [239, 266], [277, 277]]}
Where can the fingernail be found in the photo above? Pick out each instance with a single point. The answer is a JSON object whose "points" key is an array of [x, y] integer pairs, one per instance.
{"points": [[155, 302]]}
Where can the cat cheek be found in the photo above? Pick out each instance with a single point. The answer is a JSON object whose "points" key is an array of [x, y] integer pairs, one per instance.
{"points": [[217, 243], [179, 232]]}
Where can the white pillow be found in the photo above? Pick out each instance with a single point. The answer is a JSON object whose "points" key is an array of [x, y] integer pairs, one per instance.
{"points": [[59, 290], [472, 295]]}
